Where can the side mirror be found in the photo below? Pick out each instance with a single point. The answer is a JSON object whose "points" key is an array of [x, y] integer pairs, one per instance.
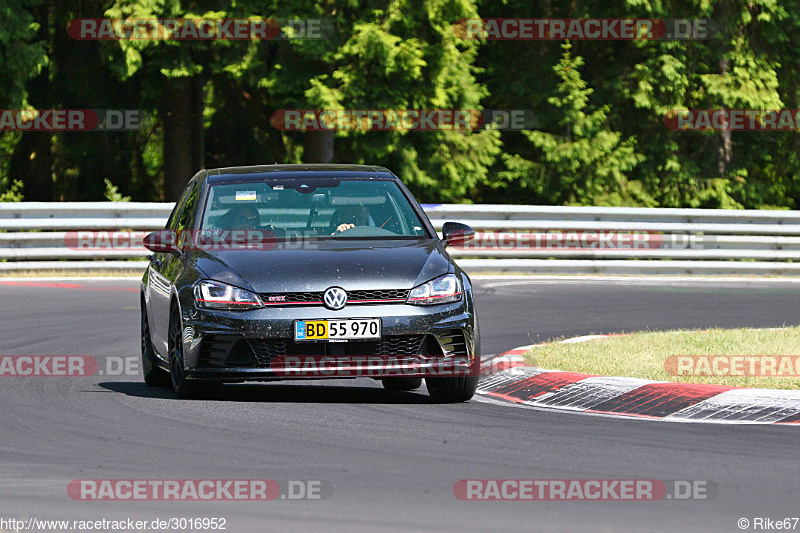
{"points": [[456, 233], [162, 241]]}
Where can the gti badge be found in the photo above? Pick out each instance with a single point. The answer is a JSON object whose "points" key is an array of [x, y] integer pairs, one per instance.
{"points": [[335, 298]]}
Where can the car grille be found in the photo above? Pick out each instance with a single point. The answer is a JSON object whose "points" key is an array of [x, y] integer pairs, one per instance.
{"points": [[289, 298], [386, 294], [265, 350], [353, 297]]}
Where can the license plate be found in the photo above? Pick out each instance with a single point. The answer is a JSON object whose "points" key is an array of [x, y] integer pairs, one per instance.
{"points": [[328, 330]]}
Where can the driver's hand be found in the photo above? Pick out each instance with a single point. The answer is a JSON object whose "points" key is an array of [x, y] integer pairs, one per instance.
{"points": [[343, 227]]}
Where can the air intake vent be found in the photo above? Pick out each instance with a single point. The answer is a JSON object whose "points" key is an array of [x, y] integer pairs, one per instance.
{"points": [[453, 342]]}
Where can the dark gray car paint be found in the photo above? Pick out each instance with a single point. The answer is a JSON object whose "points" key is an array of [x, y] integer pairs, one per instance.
{"points": [[352, 264]]}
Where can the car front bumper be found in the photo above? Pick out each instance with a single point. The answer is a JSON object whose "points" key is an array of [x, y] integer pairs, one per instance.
{"points": [[258, 344]]}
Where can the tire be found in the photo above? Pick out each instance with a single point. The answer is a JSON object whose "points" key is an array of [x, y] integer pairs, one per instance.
{"points": [[452, 390], [402, 383], [184, 388], [154, 376]]}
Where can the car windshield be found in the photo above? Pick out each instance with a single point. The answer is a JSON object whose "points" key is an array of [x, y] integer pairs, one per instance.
{"points": [[317, 207]]}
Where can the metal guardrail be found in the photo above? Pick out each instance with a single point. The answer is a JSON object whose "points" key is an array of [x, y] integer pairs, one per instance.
{"points": [[510, 238]]}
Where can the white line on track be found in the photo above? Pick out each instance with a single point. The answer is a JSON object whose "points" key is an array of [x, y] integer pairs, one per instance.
{"points": [[73, 278], [512, 279], [480, 397], [500, 280], [494, 282]]}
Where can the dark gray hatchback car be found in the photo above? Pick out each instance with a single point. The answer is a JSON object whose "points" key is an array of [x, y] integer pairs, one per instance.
{"points": [[306, 272]]}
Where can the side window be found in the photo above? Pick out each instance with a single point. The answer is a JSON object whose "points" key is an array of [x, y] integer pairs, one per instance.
{"points": [[187, 216], [176, 212]]}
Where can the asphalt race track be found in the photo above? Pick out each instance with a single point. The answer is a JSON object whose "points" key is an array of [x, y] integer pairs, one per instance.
{"points": [[391, 458]]}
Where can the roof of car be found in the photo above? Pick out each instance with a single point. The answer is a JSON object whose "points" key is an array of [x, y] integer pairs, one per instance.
{"points": [[234, 174]]}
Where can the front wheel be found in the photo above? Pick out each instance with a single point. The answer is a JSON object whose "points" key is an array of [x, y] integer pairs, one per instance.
{"points": [[184, 388], [452, 390], [154, 376]]}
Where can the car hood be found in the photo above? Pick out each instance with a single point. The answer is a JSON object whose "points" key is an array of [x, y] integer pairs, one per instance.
{"points": [[350, 264]]}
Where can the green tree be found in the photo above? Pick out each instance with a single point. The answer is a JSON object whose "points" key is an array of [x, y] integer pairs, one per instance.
{"points": [[22, 55], [402, 56], [177, 76], [737, 67], [587, 162]]}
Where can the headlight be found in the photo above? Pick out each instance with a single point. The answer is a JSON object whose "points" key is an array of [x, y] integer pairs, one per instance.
{"points": [[216, 295], [441, 290]]}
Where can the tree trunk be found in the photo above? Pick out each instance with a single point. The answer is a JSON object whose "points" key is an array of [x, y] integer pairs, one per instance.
{"points": [[182, 115], [318, 147], [726, 145], [198, 133], [722, 14]]}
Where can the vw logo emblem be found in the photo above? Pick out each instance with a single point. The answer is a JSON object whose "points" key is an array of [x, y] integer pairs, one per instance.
{"points": [[335, 298]]}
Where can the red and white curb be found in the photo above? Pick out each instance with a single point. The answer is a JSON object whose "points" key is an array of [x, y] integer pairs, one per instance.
{"points": [[506, 378]]}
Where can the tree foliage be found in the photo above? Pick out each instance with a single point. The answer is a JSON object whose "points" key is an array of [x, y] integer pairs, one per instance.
{"points": [[587, 161], [600, 137]]}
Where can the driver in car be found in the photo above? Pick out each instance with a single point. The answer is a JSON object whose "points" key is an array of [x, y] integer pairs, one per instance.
{"points": [[244, 224], [348, 217], [245, 217]]}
